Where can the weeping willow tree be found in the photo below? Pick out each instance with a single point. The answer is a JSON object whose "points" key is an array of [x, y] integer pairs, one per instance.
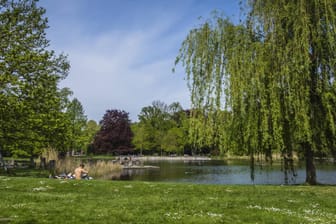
{"points": [[273, 77]]}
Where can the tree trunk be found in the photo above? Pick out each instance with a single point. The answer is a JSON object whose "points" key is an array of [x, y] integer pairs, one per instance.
{"points": [[43, 163], [32, 162], [310, 167], [252, 176], [2, 161]]}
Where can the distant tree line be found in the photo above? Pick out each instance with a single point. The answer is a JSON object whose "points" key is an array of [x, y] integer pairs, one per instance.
{"points": [[161, 130]]}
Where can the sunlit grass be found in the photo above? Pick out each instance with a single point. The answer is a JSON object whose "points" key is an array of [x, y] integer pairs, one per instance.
{"points": [[33, 200]]}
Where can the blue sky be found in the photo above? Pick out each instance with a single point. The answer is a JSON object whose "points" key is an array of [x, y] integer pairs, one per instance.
{"points": [[122, 51]]}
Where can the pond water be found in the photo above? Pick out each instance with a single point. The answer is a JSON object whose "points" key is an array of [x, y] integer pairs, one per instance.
{"points": [[222, 172]]}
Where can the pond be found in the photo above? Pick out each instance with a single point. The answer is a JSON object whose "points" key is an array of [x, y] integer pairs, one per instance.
{"points": [[222, 172]]}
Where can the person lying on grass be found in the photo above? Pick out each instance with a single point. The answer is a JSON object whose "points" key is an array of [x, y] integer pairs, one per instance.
{"points": [[80, 172]]}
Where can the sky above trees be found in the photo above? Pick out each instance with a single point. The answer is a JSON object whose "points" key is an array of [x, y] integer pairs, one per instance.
{"points": [[122, 51]]}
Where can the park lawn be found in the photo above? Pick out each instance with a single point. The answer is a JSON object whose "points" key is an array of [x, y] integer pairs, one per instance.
{"points": [[37, 200]]}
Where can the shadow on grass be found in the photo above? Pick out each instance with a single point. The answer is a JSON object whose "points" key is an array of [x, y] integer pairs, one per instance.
{"points": [[24, 172]]}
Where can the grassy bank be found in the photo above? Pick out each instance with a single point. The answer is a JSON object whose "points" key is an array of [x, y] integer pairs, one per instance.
{"points": [[37, 200]]}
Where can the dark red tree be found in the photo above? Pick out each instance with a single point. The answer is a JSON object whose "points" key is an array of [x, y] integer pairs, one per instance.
{"points": [[115, 135]]}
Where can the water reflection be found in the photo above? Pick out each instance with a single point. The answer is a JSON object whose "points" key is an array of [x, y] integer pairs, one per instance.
{"points": [[222, 172]]}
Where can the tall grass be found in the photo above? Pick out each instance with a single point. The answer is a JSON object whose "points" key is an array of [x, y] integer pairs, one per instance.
{"points": [[104, 169], [49, 154], [66, 165], [96, 169]]}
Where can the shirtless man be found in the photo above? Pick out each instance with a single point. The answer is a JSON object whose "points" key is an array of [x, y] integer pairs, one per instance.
{"points": [[79, 171]]}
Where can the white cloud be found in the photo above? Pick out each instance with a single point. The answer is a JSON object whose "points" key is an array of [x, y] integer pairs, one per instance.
{"points": [[122, 52], [123, 70]]}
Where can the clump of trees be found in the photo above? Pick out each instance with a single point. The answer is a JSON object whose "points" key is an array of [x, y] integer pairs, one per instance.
{"points": [[159, 129], [164, 129], [266, 85]]}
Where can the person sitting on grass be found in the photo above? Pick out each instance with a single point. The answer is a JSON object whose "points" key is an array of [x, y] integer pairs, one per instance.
{"points": [[80, 172]]}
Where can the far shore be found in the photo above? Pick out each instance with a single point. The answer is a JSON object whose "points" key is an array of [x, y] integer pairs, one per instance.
{"points": [[150, 158]]}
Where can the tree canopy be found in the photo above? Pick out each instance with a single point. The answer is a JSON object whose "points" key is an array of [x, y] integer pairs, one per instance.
{"points": [[272, 77], [115, 134], [161, 129], [78, 122], [31, 114]]}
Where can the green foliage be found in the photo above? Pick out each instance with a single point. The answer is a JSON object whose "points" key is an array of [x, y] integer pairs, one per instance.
{"points": [[31, 113], [173, 141], [274, 75], [24, 199], [78, 122], [139, 138], [89, 132], [161, 128]]}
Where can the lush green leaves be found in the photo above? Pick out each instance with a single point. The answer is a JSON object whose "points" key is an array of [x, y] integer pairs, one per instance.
{"points": [[31, 114], [78, 122], [161, 128], [274, 75]]}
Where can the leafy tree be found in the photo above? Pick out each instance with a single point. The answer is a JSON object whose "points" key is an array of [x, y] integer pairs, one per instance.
{"points": [[172, 141], [115, 133], [89, 132], [78, 121], [161, 128], [274, 75], [31, 114], [139, 139], [303, 51], [155, 119]]}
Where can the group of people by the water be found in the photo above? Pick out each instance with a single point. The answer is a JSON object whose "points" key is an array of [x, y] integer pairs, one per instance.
{"points": [[79, 174]]}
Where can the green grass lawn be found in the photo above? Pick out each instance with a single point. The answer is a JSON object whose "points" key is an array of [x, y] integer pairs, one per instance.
{"points": [[37, 200]]}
